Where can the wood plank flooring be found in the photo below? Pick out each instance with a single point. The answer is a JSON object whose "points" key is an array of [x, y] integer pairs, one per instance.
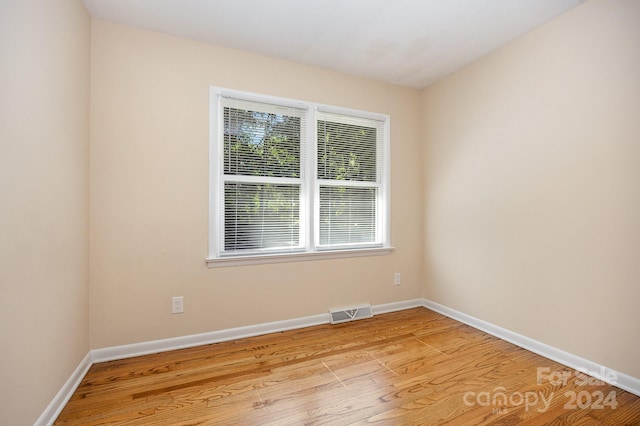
{"points": [[413, 367]]}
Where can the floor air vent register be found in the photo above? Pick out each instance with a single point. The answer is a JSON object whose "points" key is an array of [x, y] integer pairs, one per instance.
{"points": [[350, 314]]}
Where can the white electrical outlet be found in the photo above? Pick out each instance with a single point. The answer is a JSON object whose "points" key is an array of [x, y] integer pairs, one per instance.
{"points": [[177, 305], [396, 278]]}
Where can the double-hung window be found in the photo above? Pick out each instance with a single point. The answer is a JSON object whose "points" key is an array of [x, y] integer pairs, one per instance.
{"points": [[291, 180]]}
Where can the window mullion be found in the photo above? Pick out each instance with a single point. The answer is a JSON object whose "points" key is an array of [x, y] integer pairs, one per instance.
{"points": [[311, 175]]}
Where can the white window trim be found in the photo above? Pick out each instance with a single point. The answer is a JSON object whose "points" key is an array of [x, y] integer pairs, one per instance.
{"points": [[295, 257], [310, 251]]}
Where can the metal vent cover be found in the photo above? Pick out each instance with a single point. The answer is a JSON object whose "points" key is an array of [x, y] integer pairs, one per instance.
{"points": [[350, 314]]}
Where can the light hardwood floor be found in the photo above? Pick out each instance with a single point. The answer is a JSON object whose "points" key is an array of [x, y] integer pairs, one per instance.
{"points": [[411, 367]]}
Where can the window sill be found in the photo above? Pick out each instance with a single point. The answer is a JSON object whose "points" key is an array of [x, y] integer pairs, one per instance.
{"points": [[260, 259]]}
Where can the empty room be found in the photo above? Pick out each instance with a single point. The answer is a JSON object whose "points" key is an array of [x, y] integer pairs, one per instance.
{"points": [[320, 212]]}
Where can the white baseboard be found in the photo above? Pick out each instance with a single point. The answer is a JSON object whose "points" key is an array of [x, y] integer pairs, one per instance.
{"points": [[182, 342], [155, 346], [623, 381], [51, 413], [397, 306], [600, 372]]}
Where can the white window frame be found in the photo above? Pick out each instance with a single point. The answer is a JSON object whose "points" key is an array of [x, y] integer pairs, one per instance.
{"points": [[309, 208]]}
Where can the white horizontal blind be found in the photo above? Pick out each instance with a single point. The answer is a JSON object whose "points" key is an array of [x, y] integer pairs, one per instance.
{"points": [[262, 154], [350, 156]]}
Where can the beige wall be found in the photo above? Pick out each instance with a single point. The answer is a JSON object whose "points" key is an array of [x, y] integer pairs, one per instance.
{"points": [[44, 199], [149, 192], [532, 187]]}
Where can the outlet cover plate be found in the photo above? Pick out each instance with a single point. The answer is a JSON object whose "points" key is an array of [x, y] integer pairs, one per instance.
{"points": [[177, 304]]}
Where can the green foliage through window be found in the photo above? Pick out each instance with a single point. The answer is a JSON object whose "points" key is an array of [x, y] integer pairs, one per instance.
{"points": [[261, 215], [261, 144], [346, 152]]}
